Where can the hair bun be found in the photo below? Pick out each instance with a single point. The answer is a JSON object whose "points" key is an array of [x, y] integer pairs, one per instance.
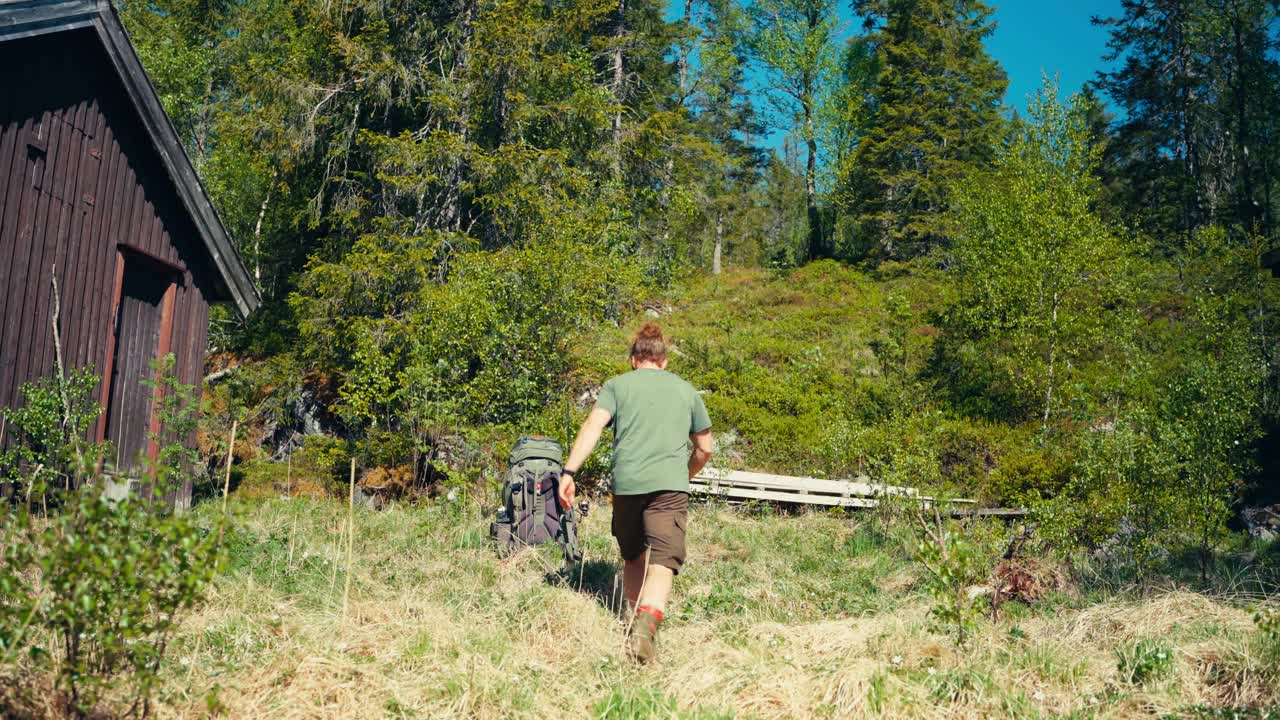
{"points": [[649, 344]]}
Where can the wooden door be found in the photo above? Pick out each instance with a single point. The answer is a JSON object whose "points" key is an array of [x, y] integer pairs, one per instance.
{"points": [[140, 335]]}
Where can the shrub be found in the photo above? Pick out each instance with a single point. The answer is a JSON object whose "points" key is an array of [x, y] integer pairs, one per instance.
{"points": [[91, 587], [955, 566], [177, 458], [95, 591], [1268, 621], [46, 447], [1120, 496], [489, 345]]}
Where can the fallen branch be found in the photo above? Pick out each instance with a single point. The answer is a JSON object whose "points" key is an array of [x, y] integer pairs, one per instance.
{"points": [[62, 375], [214, 377], [1018, 540]]}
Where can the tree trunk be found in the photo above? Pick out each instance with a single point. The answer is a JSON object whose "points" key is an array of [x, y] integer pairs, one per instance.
{"points": [[1248, 209], [817, 248], [618, 35], [684, 52], [668, 165], [451, 207], [1053, 358], [715, 254], [257, 234]]}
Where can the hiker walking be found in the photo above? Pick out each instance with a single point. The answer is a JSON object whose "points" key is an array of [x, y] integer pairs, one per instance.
{"points": [[662, 438]]}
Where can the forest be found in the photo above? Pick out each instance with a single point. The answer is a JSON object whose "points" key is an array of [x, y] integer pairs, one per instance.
{"points": [[457, 212], [437, 200]]}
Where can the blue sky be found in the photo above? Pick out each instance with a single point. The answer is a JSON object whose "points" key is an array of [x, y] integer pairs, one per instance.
{"points": [[1046, 36], [1032, 38]]}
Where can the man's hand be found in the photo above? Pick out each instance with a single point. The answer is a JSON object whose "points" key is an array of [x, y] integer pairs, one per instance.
{"points": [[586, 441], [566, 491], [701, 451]]}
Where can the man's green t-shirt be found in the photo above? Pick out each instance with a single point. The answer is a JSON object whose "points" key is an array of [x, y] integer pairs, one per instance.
{"points": [[654, 412]]}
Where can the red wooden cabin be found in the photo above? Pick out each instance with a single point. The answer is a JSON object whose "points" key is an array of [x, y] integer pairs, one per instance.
{"points": [[96, 188]]}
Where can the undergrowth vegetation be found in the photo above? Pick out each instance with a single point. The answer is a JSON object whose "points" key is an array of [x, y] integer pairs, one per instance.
{"points": [[777, 616], [97, 571]]}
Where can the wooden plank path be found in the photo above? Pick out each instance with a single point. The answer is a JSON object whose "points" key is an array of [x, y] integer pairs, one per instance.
{"points": [[860, 492]]}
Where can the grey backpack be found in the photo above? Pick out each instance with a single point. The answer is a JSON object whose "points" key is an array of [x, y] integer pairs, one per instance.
{"points": [[531, 512]]}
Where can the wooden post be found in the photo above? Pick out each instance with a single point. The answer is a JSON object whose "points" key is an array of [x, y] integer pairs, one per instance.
{"points": [[351, 533], [293, 529], [226, 482]]}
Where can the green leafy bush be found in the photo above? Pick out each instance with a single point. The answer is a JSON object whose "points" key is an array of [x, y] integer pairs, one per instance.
{"points": [[413, 354], [92, 587], [1268, 621], [46, 435], [95, 591], [956, 566], [177, 458]]}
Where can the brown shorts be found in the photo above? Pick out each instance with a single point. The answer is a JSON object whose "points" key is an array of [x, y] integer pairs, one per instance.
{"points": [[657, 520]]}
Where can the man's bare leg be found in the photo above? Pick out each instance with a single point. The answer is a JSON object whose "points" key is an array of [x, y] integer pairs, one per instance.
{"points": [[632, 580], [647, 590], [657, 586]]}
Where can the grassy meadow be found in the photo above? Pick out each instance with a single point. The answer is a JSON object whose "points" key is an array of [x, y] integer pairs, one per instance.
{"points": [[776, 616], [780, 613]]}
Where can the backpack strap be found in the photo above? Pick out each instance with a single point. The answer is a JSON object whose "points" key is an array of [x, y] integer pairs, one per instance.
{"points": [[539, 503], [567, 536]]}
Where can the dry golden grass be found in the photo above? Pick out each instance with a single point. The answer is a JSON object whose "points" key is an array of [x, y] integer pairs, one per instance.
{"points": [[440, 628], [776, 617]]}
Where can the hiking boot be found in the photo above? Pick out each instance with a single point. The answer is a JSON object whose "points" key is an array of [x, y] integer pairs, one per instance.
{"points": [[643, 642]]}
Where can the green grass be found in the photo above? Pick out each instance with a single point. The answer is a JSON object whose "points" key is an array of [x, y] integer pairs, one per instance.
{"points": [[776, 616]]}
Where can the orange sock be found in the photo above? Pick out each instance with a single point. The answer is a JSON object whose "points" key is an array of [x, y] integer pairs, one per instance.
{"points": [[650, 610]]}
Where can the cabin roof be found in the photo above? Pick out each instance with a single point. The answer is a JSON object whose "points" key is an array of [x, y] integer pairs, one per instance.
{"points": [[31, 18]]}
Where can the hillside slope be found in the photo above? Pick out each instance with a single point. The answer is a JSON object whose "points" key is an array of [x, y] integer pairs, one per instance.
{"points": [[810, 616], [798, 614]]}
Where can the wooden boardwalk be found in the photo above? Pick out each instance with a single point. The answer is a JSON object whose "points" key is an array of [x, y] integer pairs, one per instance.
{"points": [[861, 492]]}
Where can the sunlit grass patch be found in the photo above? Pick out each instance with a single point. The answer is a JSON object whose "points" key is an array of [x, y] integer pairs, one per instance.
{"points": [[777, 615]]}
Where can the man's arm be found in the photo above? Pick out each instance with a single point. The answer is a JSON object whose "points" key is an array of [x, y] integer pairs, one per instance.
{"points": [[701, 451], [586, 441]]}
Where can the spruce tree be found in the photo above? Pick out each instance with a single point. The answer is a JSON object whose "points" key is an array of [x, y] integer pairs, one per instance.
{"points": [[1199, 88], [938, 101]]}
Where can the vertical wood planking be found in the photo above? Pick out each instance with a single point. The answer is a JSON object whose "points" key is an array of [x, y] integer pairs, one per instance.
{"points": [[92, 174], [20, 208], [33, 309], [91, 181], [64, 176], [108, 365], [100, 287], [162, 349], [11, 182]]}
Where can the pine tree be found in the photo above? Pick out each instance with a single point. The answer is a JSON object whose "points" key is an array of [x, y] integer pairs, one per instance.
{"points": [[938, 101], [1199, 90]]}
